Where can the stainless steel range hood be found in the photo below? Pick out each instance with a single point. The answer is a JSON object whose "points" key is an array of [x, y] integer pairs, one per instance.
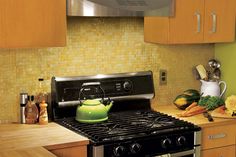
{"points": [[120, 8]]}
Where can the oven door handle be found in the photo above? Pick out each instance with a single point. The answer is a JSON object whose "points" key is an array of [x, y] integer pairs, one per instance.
{"points": [[179, 154], [184, 153]]}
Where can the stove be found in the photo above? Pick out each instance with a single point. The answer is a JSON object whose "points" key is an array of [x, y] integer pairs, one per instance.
{"points": [[133, 129]]}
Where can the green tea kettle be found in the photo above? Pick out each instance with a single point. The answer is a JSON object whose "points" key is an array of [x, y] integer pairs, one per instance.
{"points": [[92, 110]]}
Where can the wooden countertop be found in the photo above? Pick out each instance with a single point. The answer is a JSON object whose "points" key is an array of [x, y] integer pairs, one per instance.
{"points": [[51, 136], [199, 119], [28, 152], [23, 139]]}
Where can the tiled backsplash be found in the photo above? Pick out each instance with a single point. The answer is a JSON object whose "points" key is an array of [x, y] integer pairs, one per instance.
{"points": [[98, 45]]}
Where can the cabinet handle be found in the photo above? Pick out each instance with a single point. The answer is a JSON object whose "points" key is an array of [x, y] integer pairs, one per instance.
{"points": [[198, 22], [216, 136], [214, 20]]}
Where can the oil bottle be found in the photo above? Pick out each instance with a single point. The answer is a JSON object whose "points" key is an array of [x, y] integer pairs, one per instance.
{"points": [[43, 115]]}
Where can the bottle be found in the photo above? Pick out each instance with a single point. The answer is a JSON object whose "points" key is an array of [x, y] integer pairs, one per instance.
{"points": [[41, 96], [43, 115], [31, 111], [23, 102]]}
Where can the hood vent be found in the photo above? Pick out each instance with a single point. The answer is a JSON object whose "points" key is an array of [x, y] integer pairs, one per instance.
{"points": [[120, 8]]}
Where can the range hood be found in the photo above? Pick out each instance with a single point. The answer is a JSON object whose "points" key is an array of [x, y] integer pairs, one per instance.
{"points": [[120, 8]]}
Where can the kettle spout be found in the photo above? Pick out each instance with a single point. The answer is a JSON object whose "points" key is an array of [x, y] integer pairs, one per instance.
{"points": [[108, 107]]}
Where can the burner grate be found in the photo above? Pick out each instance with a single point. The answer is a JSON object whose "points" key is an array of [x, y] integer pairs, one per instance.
{"points": [[127, 125]]}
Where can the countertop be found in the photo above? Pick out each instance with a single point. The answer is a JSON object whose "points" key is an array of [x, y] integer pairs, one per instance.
{"points": [[51, 136], [199, 119], [28, 152], [23, 139]]}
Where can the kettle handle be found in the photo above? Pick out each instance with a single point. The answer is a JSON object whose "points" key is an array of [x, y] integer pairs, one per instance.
{"points": [[225, 87], [91, 85]]}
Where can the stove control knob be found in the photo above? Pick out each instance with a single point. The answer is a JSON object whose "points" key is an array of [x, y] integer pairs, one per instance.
{"points": [[166, 143], [119, 151], [181, 141], [135, 148], [127, 86]]}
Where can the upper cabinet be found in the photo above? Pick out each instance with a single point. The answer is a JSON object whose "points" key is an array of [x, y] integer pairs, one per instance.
{"points": [[32, 23], [195, 21]]}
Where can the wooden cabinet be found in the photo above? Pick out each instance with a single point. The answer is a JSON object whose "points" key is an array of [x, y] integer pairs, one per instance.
{"points": [[79, 151], [219, 141], [195, 21], [219, 21], [32, 23], [219, 152]]}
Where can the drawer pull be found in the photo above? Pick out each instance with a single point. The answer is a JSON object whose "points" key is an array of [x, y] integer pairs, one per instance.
{"points": [[221, 135]]}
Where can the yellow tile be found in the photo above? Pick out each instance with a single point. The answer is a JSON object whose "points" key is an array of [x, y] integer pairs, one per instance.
{"points": [[98, 45]]}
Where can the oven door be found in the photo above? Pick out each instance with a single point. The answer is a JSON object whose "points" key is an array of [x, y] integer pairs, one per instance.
{"points": [[190, 153]]}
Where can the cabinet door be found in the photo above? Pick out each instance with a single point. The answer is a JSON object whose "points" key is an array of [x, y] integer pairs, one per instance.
{"points": [[219, 152], [156, 29], [187, 24], [219, 21], [32, 23]]}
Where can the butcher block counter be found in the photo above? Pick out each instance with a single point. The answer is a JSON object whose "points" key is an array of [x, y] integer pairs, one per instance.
{"points": [[28, 152], [199, 119], [23, 138]]}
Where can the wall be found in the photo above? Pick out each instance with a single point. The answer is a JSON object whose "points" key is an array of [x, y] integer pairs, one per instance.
{"points": [[226, 54], [98, 45]]}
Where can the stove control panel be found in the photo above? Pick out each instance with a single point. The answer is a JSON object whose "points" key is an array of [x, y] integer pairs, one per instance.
{"points": [[66, 90], [118, 87], [127, 85], [157, 145]]}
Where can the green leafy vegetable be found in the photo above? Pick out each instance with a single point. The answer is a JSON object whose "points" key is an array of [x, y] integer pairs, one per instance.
{"points": [[211, 102]]}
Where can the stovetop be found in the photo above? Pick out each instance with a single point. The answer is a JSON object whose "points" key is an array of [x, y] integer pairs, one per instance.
{"points": [[122, 126], [132, 128]]}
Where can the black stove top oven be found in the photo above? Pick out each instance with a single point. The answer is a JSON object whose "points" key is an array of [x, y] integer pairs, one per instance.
{"points": [[132, 128]]}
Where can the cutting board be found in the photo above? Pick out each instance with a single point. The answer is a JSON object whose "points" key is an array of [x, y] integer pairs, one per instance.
{"points": [[221, 113]]}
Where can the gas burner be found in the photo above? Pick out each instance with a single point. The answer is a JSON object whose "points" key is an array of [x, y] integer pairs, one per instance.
{"points": [[156, 123], [120, 138], [140, 122], [164, 121], [116, 130], [148, 114]]}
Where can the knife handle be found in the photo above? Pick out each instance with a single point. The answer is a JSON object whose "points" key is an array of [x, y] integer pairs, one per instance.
{"points": [[208, 116]]}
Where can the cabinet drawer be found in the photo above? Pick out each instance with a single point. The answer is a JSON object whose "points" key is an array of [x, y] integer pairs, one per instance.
{"points": [[219, 152], [218, 136]]}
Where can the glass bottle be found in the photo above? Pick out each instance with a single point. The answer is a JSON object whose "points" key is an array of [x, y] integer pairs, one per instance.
{"points": [[43, 115], [31, 111]]}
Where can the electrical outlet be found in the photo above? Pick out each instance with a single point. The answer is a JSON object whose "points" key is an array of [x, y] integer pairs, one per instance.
{"points": [[163, 77]]}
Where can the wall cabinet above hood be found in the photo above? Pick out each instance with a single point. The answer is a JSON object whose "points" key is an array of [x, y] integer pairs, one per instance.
{"points": [[120, 8]]}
